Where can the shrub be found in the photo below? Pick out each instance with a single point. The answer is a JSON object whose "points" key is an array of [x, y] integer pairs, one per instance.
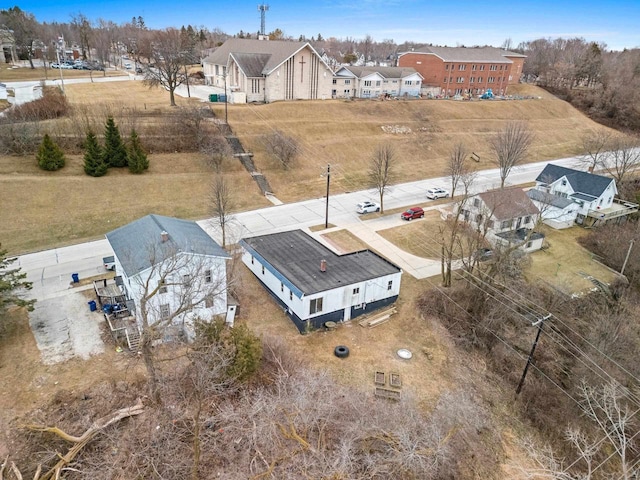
{"points": [[49, 155]]}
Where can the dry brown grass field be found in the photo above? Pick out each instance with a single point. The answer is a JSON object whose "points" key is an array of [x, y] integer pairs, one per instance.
{"points": [[23, 74], [346, 133], [43, 210]]}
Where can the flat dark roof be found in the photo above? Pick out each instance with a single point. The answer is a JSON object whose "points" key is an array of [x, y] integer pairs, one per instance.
{"points": [[297, 257]]}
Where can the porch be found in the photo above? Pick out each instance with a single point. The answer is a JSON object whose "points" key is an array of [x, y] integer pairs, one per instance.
{"points": [[619, 208]]}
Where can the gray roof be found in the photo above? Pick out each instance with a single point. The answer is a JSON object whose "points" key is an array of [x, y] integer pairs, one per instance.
{"points": [[549, 198], [135, 244], [297, 257], [469, 54], [268, 54], [581, 182], [386, 72]]}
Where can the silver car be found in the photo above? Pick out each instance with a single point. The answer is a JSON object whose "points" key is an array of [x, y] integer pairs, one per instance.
{"points": [[367, 207], [435, 193]]}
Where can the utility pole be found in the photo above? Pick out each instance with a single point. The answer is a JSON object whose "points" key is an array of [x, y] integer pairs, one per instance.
{"points": [[326, 215], [626, 259], [540, 324]]}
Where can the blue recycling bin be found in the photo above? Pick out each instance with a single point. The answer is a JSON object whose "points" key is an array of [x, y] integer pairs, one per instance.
{"points": [[106, 308], [92, 305], [75, 277]]}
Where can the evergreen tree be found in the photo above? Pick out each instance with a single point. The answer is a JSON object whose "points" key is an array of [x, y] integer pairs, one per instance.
{"points": [[94, 163], [114, 153], [136, 157], [49, 155], [12, 284]]}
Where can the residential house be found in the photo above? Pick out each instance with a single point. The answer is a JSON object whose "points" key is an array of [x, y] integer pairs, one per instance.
{"points": [[175, 266], [373, 82], [7, 46], [462, 70], [268, 70], [592, 197], [507, 215], [313, 284]]}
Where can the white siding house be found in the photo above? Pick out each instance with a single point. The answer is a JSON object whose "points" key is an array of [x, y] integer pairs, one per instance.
{"points": [[375, 81], [172, 270], [592, 197], [507, 215], [315, 285]]}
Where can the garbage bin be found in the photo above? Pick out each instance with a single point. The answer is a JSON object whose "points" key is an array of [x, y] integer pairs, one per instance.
{"points": [[106, 308], [92, 305], [213, 97], [222, 98], [75, 277]]}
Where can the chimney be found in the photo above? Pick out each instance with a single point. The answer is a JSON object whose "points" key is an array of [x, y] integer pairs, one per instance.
{"points": [[323, 265], [164, 236]]}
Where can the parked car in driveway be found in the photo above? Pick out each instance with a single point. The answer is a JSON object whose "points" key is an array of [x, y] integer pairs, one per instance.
{"points": [[436, 192], [109, 262], [367, 207], [413, 212]]}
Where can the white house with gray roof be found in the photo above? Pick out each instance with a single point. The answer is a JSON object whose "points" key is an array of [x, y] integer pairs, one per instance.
{"points": [[269, 70], [171, 270], [373, 82], [313, 284], [592, 197]]}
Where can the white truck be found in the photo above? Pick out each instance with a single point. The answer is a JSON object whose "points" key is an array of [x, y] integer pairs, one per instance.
{"points": [[109, 262]]}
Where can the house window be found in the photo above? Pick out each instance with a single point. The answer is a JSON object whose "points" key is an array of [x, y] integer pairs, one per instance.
{"points": [[490, 224], [473, 67], [564, 183], [347, 92], [506, 224], [251, 259], [356, 291], [445, 80], [462, 67], [263, 269], [460, 79], [476, 202], [527, 219], [208, 276], [529, 244], [491, 79], [466, 215], [408, 82], [366, 93], [315, 306], [290, 295], [471, 79], [162, 288], [479, 79], [482, 68], [281, 287], [165, 311], [186, 280], [493, 68], [335, 81], [377, 83], [347, 81], [446, 67], [208, 301], [389, 285], [479, 218], [367, 83]]}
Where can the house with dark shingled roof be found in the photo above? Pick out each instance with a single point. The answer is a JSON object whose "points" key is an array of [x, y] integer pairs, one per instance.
{"points": [[268, 70], [592, 197], [313, 284], [172, 271]]}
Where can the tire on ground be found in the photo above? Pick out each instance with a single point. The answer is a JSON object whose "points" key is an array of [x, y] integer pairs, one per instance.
{"points": [[341, 351]]}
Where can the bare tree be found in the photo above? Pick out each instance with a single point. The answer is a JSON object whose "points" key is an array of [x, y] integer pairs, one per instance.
{"points": [[82, 26], [382, 171], [510, 146], [177, 288], [24, 27], [216, 149], [596, 147], [456, 167], [221, 205], [283, 147], [169, 61], [624, 157]]}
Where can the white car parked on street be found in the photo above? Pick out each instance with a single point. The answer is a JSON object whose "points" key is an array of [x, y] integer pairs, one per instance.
{"points": [[367, 207], [435, 193]]}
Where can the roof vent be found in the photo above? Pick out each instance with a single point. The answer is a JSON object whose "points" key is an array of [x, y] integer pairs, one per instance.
{"points": [[323, 265], [164, 236]]}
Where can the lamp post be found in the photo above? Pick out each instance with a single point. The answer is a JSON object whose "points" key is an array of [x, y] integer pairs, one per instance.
{"points": [[60, 66]]}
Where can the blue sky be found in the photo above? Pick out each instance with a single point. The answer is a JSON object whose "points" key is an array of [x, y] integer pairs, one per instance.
{"points": [[614, 22]]}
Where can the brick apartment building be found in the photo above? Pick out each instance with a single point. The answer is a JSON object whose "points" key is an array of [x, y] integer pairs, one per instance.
{"points": [[461, 70]]}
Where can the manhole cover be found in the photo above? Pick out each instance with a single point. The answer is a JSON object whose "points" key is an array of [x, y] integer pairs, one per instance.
{"points": [[404, 353]]}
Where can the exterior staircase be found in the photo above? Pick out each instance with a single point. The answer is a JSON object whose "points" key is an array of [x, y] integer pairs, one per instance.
{"points": [[133, 339]]}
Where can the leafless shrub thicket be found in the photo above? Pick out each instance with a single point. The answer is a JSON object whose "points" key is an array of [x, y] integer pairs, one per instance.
{"points": [[289, 422]]}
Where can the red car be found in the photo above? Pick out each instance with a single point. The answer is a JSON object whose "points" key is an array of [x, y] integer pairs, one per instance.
{"points": [[413, 212]]}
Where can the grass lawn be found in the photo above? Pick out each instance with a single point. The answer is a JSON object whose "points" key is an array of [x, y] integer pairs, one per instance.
{"points": [[565, 263], [344, 241], [419, 237], [25, 74]]}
